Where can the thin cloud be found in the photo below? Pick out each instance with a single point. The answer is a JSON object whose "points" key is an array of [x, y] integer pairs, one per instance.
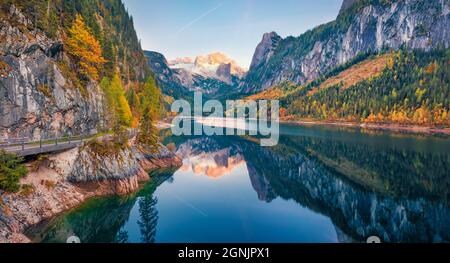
{"points": [[188, 25]]}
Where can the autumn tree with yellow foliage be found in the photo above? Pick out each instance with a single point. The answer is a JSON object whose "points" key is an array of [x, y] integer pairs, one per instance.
{"points": [[84, 48], [117, 112], [150, 107]]}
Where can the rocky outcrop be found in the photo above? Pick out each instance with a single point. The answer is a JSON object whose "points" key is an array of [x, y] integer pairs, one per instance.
{"points": [[167, 79], [37, 99], [367, 27], [265, 49], [91, 166], [67, 179], [224, 72]]}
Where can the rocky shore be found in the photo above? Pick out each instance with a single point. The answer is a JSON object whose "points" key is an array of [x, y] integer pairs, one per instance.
{"points": [[63, 181], [43, 98]]}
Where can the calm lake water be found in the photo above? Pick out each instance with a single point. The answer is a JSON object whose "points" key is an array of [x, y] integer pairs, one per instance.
{"points": [[319, 184]]}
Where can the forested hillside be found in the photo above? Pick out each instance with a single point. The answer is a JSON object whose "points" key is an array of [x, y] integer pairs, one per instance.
{"points": [[57, 53], [362, 26], [412, 88], [107, 20], [380, 61]]}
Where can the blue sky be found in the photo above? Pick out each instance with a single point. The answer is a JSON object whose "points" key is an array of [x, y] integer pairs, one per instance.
{"points": [[180, 28]]}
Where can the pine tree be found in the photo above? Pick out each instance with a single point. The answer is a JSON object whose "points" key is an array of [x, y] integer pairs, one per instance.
{"points": [[148, 134], [11, 170], [118, 114], [150, 109]]}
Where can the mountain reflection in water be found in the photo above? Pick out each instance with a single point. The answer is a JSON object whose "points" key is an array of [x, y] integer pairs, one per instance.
{"points": [[317, 185]]}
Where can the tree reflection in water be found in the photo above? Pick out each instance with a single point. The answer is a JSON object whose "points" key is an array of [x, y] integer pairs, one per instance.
{"points": [[148, 218], [392, 186]]}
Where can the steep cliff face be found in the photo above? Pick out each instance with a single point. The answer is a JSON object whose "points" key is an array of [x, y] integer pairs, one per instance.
{"points": [[166, 77], [361, 26], [42, 93], [224, 72], [265, 49], [36, 99]]}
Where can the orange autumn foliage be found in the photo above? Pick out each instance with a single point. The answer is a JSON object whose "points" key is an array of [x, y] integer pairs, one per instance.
{"points": [[283, 112], [398, 116], [84, 48], [372, 118]]}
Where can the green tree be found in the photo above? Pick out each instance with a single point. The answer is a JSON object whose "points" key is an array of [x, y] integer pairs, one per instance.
{"points": [[11, 170], [117, 112], [150, 98]]}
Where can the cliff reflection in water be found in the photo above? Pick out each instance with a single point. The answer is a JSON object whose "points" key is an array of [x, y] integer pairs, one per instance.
{"points": [[102, 220], [397, 192], [395, 187]]}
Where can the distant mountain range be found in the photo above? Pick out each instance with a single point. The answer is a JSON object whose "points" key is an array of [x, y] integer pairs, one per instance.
{"points": [[213, 63], [362, 26], [215, 75]]}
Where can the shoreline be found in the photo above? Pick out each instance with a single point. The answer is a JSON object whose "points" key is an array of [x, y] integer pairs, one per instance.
{"points": [[412, 129], [373, 126], [54, 193], [29, 232]]}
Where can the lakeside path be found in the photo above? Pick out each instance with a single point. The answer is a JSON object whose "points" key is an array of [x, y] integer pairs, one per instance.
{"points": [[46, 146]]}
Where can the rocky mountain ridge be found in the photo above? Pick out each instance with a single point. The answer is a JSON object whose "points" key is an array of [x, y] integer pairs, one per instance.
{"points": [[214, 75], [265, 49], [361, 26]]}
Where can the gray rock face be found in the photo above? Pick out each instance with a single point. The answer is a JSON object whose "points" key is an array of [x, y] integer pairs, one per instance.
{"points": [[76, 175], [265, 49], [166, 77], [416, 24], [36, 99], [224, 72], [90, 167]]}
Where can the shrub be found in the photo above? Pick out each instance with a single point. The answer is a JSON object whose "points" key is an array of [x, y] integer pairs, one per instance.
{"points": [[11, 170], [27, 190], [49, 184], [45, 89]]}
